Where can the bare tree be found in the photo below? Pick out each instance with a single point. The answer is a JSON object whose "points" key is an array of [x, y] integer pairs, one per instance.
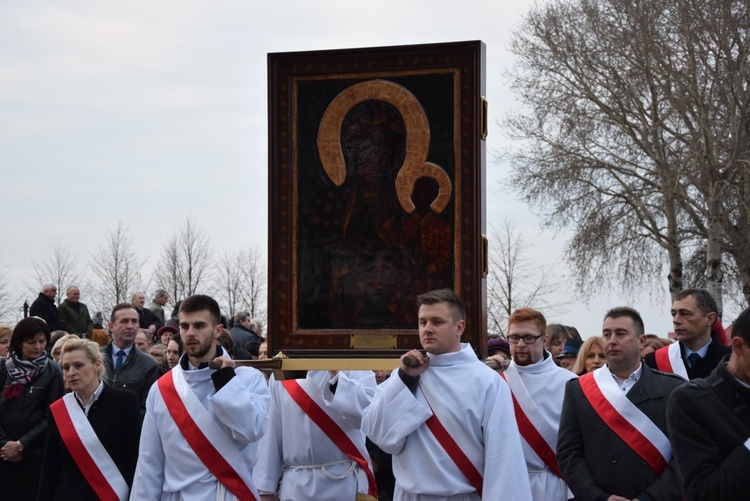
{"points": [[240, 282], [59, 267], [620, 137], [514, 280], [184, 267], [116, 270]]}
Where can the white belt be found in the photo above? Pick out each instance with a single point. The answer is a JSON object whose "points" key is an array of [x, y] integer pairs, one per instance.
{"points": [[322, 467]]}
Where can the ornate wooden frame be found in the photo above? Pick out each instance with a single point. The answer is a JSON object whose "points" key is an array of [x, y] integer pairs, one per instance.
{"points": [[310, 94]]}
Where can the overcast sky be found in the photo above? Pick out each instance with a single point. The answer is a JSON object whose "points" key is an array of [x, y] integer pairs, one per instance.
{"points": [[147, 112]]}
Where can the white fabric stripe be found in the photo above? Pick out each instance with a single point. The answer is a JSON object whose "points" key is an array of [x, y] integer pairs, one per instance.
{"points": [[316, 394], [529, 408], [94, 447], [211, 429], [456, 429], [631, 413], [675, 359]]}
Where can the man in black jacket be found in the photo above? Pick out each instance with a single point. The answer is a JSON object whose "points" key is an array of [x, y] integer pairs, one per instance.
{"points": [[127, 367], [602, 456], [709, 423], [44, 307], [693, 315]]}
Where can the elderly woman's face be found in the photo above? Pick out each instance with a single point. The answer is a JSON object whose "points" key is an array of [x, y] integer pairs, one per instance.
{"points": [[173, 353], [33, 347]]}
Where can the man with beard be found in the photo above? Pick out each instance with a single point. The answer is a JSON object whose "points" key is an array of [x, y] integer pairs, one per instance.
{"points": [[202, 425], [538, 387], [126, 366]]}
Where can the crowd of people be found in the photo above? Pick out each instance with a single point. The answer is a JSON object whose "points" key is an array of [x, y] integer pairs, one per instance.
{"points": [[155, 407]]}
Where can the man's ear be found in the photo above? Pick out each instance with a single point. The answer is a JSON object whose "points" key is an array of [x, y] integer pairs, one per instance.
{"points": [[711, 316], [461, 326]]}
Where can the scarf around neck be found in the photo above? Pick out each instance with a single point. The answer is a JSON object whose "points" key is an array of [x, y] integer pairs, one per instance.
{"points": [[21, 372]]}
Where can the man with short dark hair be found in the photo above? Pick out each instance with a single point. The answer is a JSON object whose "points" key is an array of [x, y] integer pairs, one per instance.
{"points": [[74, 315], [709, 422], [697, 352], [44, 307], [202, 425], [538, 387], [126, 366], [447, 418], [613, 441]]}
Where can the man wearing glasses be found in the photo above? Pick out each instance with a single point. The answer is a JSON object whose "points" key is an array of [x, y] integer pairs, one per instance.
{"points": [[538, 387]]}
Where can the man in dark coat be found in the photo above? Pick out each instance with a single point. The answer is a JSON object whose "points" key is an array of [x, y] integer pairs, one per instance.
{"points": [[243, 331], [127, 367], [693, 315], [595, 461], [709, 422], [44, 307]]}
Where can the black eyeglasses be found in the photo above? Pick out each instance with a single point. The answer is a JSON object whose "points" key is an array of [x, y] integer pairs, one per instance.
{"points": [[528, 339]]}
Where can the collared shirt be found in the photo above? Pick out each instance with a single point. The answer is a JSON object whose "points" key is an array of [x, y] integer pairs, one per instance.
{"points": [[627, 384], [116, 350], [702, 352], [93, 398]]}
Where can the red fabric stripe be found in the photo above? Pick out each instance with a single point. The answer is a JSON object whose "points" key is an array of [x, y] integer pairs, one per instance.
{"points": [[662, 359], [203, 448], [89, 469], [534, 438], [331, 429], [456, 454], [617, 423]]}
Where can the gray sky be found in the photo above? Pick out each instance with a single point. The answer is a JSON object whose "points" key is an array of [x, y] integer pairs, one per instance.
{"points": [[146, 112]]}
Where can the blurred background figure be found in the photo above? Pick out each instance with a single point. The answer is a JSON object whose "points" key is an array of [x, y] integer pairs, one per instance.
{"points": [[590, 357], [159, 353], [558, 335], [5, 333], [164, 334], [499, 346], [99, 334], [56, 351], [174, 352], [653, 343], [567, 357]]}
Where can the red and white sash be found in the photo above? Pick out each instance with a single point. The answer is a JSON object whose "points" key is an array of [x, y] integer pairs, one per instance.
{"points": [[301, 392], [210, 442], [669, 359], [87, 451], [537, 431], [450, 445], [625, 419]]}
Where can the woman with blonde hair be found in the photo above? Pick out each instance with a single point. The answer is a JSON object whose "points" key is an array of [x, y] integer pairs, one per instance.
{"points": [[56, 352], [106, 421], [5, 333], [590, 357]]}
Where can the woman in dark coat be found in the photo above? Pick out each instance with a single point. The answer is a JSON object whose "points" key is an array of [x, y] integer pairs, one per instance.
{"points": [[114, 416], [30, 382]]}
